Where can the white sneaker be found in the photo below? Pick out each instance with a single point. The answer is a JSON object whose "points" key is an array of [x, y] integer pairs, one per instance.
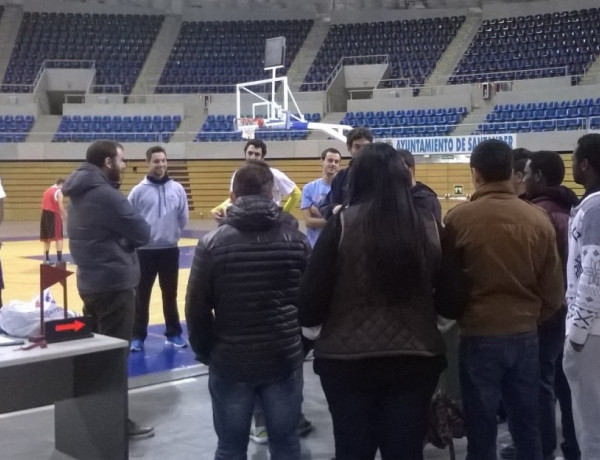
{"points": [[259, 435]]}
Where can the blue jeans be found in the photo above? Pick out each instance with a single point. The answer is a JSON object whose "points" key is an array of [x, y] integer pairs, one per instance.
{"points": [[501, 368], [233, 404], [569, 446], [551, 336]]}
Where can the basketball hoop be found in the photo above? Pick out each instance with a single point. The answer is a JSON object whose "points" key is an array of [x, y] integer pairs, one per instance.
{"points": [[248, 126], [248, 131]]}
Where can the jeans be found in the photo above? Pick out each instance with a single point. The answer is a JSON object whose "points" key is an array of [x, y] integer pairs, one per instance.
{"points": [[551, 336], [494, 368], [390, 418], [165, 264], [569, 446], [112, 312], [233, 404]]}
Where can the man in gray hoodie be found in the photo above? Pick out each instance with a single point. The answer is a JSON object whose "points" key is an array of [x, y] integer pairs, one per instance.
{"points": [[104, 232], [163, 203]]}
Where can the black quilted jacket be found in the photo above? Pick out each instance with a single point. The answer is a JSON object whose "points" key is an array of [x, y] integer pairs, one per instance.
{"points": [[358, 322], [241, 302]]}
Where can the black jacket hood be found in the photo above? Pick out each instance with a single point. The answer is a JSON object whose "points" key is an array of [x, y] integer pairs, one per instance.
{"points": [[256, 213]]}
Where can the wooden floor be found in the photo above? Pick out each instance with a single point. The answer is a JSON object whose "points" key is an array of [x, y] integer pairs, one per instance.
{"points": [[21, 270]]}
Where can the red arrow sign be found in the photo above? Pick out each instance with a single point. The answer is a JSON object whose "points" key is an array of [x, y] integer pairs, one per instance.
{"points": [[74, 326]]}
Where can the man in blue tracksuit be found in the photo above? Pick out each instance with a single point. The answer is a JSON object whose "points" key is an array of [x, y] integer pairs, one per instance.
{"points": [[163, 203]]}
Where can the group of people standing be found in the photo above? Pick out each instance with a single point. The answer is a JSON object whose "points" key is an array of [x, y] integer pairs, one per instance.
{"points": [[369, 292], [366, 288]]}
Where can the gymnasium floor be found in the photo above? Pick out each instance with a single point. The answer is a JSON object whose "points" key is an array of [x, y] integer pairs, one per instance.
{"points": [[168, 390]]}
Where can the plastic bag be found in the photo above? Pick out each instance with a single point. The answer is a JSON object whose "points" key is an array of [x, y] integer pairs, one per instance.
{"points": [[22, 319]]}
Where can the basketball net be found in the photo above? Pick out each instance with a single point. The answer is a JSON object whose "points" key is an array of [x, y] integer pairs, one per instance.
{"points": [[248, 126], [248, 131]]}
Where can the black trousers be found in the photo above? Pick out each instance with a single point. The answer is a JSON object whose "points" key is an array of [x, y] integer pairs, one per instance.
{"points": [[112, 312], [163, 263], [391, 418]]}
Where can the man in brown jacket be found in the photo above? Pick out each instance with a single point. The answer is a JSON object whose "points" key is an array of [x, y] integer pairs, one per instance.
{"points": [[508, 254]]}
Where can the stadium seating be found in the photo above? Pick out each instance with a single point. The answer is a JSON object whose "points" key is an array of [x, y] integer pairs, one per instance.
{"points": [[534, 46], [413, 47], [220, 128], [87, 128], [212, 57], [117, 43], [14, 128], [542, 116], [408, 123]]}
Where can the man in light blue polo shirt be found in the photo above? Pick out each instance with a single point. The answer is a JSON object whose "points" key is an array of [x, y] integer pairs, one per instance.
{"points": [[314, 192]]}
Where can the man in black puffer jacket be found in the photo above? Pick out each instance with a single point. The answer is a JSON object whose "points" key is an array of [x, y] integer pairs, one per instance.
{"points": [[242, 318]]}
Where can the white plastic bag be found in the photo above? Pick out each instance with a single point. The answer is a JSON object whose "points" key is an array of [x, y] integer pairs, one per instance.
{"points": [[22, 319]]}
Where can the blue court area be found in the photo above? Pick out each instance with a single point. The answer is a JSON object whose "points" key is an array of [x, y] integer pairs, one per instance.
{"points": [[159, 362]]}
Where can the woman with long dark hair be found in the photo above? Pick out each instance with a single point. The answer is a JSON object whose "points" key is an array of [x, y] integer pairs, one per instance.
{"points": [[370, 283]]}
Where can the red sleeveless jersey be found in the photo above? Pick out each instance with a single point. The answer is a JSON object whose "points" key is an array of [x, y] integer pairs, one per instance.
{"points": [[50, 199]]}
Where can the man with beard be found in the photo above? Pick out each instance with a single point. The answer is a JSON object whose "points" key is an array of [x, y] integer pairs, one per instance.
{"points": [[104, 232]]}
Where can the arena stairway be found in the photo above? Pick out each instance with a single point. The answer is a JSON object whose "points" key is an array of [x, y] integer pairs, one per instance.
{"points": [[456, 49], [158, 56], [306, 55], [9, 28]]}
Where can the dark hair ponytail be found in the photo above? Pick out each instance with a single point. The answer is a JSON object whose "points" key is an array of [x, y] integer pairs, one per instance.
{"points": [[395, 240]]}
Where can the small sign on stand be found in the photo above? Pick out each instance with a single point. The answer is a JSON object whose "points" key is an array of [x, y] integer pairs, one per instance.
{"points": [[63, 329]]}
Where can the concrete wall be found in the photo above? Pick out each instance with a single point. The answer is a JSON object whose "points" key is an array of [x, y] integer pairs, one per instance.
{"points": [[562, 141], [26, 108], [176, 150], [207, 13], [68, 79], [392, 102], [532, 92], [57, 6], [490, 9], [122, 109], [503, 10], [363, 76], [348, 17]]}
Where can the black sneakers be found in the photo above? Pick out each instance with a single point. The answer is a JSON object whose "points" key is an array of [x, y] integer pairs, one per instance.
{"points": [[135, 431]]}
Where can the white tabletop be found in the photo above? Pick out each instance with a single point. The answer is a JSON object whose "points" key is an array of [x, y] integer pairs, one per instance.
{"points": [[13, 356]]}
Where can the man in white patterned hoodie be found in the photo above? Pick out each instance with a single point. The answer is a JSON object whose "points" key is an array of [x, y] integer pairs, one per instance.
{"points": [[581, 360]]}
